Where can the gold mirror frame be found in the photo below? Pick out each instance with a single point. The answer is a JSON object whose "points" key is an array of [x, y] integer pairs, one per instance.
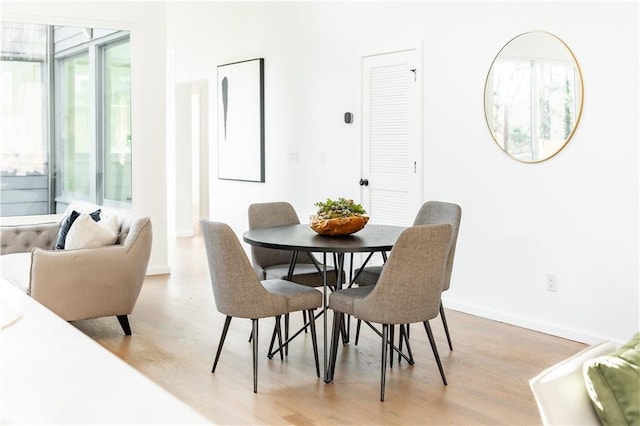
{"points": [[524, 86]]}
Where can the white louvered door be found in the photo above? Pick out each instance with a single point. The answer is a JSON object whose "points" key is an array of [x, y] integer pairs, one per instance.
{"points": [[391, 151]]}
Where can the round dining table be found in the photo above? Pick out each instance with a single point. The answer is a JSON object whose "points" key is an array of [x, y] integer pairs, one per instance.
{"points": [[301, 238]]}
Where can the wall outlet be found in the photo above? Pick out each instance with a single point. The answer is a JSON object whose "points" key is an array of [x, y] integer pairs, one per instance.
{"points": [[552, 283]]}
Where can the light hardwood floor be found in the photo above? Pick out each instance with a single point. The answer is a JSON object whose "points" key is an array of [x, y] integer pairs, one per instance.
{"points": [[176, 329]]}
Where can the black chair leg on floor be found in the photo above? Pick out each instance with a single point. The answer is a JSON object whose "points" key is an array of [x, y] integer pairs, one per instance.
{"points": [[383, 367], [348, 328], [358, 331], [446, 328], [279, 331], [254, 336], [314, 339], [404, 337], [273, 337], [406, 340], [400, 343], [227, 321], [335, 336], [286, 334], [427, 327], [124, 323], [392, 332]]}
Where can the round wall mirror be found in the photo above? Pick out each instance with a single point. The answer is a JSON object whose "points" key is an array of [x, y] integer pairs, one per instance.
{"points": [[533, 96]]}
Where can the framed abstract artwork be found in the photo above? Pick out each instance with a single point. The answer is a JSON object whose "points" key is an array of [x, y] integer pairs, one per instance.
{"points": [[241, 121]]}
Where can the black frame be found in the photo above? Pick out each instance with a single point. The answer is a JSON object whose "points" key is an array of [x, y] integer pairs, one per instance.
{"points": [[251, 147]]}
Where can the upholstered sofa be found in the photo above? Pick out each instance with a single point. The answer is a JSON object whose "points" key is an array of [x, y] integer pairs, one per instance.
{"points": [[80, 283], [599, 385]]}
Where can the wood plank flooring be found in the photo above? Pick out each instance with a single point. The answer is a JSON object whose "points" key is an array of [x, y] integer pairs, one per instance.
{"points": [[176, 329]]}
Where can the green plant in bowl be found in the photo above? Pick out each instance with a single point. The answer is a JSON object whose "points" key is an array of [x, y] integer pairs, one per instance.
{"points": [[343, 207], [338, 217]]}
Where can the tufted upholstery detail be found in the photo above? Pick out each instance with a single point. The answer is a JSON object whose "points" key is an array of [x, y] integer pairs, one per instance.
{"points": [[82, 283], [19, 239]]}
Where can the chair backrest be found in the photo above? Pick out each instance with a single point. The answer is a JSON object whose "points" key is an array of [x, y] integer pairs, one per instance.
{"points": [[410, 285], [236, 289], [436, 212], [264, 215]]}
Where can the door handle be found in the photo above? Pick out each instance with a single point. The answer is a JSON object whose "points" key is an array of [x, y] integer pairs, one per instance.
{"points": [[364, 182]]}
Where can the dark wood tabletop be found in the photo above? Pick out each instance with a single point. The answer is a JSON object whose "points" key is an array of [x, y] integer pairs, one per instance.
{"points": [[302, 238]]}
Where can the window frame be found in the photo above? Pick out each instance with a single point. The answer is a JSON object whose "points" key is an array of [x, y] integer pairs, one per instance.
{"points": [[95, 49]]}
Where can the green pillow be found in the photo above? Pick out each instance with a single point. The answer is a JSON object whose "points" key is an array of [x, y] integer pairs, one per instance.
{"points": [[613, 384]]}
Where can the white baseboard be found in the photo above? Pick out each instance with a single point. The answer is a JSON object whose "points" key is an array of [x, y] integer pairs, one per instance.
{"points": [[183, 234], [529, 323], [159, 270]]}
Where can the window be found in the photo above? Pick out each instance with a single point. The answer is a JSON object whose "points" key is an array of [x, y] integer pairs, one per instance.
{"points": [[87, 94], [75, 135], [23, 120], [117, 122], [93, 81]]}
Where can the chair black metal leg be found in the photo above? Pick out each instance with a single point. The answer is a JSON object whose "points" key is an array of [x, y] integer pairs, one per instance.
{"points": [[304, 320], [446, 328], [227, 321], [124, 323], [392, 332], [406, 340], [335, 336], [427, 327], [290, 339], [270, 353], [314, 339], [278, 329], [383, 367], [400, 343], [393, 347], [254, 335], [358, 331], [286, 334], [404, 337], [343, 331]]}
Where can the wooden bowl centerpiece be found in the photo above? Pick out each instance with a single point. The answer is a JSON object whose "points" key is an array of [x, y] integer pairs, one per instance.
{"points": [[341, 217]]}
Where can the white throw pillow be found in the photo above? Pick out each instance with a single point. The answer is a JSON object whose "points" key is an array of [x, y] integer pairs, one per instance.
{"points": [[86, 233]]}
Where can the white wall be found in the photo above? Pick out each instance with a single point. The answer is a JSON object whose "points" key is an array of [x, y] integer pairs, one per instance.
{"points": [[146, 21], [575, 215], [183, 177]]}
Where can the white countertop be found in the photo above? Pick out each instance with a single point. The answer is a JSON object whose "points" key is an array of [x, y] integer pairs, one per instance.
{"points": [[51, 373]]}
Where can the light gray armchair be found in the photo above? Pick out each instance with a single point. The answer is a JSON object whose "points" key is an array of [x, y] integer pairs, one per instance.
{"points": [[82, 283]]}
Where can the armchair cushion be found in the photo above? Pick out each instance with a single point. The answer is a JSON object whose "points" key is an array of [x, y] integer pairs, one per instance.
{"points": [[86, 233], [67, 222], [613, 384]]}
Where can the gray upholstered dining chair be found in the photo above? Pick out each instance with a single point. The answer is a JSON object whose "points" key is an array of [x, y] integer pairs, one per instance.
{"points": [[431, 213], [272, 263], [238, 292], [408, 290]]}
